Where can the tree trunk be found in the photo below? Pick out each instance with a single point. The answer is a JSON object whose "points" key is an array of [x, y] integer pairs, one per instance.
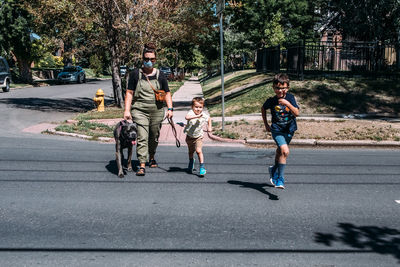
{"points": [[24, 66], [116, 78]]}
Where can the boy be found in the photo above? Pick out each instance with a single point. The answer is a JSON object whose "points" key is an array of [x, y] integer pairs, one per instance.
{"points": [[284, 111], [196, 119]]}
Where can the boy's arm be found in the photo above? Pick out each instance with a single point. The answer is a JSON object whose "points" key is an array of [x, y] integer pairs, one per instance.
{"points": [[295, 111], [264, 116]]}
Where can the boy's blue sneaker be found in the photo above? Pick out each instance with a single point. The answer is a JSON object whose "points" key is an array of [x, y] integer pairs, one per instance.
{"points": [[191, 166], [272, 178], [202, 171], [280, 183]]}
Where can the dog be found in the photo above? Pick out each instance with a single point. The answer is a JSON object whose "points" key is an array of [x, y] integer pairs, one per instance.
{"points": [[125, 134]]}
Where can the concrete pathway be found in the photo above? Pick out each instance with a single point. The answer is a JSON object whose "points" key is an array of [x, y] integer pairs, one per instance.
{"points": [[182, 100]]}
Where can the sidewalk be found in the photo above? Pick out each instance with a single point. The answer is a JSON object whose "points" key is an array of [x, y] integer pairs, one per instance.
{"points": [[182, 104], [182, 100]]}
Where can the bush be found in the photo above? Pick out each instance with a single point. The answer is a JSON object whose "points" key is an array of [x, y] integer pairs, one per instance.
{"points": [[50, 61], [96, 65]]}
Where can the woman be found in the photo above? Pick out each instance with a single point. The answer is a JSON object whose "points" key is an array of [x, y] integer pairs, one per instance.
{"points": [[147, 113]]}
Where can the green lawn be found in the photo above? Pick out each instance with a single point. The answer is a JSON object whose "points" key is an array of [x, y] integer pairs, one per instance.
{"points": [[174, 86], [314, 95]]}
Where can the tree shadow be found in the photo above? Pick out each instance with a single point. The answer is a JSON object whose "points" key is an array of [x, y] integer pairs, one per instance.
{"points": [[381, 240], [227, 83], [218, 99], [257, 186], [81, 104], [366, 99]]}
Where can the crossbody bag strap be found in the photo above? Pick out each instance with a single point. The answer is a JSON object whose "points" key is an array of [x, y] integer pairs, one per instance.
{"points": [[151, 85]]}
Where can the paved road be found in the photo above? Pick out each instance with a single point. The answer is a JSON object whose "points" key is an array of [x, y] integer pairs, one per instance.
{"points": [[62, 203], [21, 108]]}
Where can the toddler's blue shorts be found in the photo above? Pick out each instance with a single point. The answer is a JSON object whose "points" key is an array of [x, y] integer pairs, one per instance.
{"points": [[282, 138]]}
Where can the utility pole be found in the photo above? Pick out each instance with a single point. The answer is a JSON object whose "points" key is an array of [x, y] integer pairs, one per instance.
{"points": [[220, 9]]}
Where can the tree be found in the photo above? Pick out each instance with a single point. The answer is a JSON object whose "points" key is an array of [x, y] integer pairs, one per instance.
{"points": [[190, 25], [121, 27], [16, 26], [262, 20], [127, 25], [368, 20]]}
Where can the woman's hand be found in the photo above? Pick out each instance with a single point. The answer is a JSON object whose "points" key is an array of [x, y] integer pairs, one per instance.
{"points": [[170, 113], [127, 115]]}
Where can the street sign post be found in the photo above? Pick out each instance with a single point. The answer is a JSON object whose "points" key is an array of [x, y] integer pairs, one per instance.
{"points": [[220, 9]]}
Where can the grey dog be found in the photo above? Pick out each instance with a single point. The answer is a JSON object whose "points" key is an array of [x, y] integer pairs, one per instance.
{"points": [[125, 137]]}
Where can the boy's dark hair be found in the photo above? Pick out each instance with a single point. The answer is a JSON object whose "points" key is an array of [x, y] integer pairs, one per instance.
{"points": [[150, 48], [281, 78], [199, 100]]}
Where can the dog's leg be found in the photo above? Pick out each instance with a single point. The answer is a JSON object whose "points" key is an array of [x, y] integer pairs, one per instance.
{"points": [[118, 159], [130, 158]]}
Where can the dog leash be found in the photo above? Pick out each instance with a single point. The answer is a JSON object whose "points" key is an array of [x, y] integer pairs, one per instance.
{"points": [[171, 122]]}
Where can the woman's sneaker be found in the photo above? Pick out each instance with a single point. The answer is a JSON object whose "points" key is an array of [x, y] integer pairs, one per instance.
{"points": [[280, 183], [272, 179]]}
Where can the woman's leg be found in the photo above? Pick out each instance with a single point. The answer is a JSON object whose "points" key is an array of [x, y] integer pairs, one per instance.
{"points": [[154, 131], [142, 121]]}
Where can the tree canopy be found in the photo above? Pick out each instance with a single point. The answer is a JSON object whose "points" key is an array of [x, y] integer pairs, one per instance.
{"points": [[368, 20]]}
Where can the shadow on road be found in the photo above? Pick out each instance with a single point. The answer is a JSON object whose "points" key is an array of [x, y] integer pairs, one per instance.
{"points": [[113, 168], [381, 240], [256, 186], [47, 104]]}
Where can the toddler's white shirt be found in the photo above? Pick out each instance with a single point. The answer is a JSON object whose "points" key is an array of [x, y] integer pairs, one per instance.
{"points": [[194, 127]]}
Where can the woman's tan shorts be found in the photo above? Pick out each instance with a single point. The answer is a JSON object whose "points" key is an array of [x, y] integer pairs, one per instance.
{"points": [[194, 143]]}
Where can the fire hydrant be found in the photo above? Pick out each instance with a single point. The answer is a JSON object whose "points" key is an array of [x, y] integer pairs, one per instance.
{"points": [[99, 100]]}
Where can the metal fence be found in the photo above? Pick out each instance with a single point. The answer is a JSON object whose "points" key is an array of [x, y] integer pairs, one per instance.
{"points": [[330, 57], [268, 59]]}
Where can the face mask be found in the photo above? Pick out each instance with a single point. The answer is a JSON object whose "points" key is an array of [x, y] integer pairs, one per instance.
{"points": [[148, 64]]}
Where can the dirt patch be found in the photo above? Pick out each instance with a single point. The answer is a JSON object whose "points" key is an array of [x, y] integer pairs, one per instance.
{"points": [[377, 130]]}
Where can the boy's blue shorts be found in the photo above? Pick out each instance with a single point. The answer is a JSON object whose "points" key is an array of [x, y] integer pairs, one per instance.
{"points": [[282, 138]]}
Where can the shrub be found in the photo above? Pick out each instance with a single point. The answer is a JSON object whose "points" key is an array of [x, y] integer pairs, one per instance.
{"points": [[96, 65]]}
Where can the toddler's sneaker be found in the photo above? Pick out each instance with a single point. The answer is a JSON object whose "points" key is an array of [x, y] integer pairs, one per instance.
{"points": [[191, 166], [280, 183], [202, 172], [272, 179]]}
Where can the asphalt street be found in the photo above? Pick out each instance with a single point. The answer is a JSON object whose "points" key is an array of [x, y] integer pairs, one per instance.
{"points": [[24, 107], [63, 204]]}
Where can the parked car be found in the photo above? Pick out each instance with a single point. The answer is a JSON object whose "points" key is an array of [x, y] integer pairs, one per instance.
{"points": [[72, 74], [5, 75], [123, 70], [166, 70]]}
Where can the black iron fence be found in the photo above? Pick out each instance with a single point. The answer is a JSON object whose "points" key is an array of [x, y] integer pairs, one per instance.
{"points": [[330, 57], [268, 59]]}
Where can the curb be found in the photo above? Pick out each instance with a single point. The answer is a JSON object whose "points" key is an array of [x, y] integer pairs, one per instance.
{"points": [[295, 142], [81, 136]]}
